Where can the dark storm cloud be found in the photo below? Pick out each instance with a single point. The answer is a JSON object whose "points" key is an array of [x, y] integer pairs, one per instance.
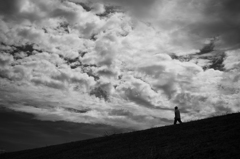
{"points": [[221, 19], [11, 10], [132, 3], [14, 10], [229, 14], [139, 8], [9, 7]]}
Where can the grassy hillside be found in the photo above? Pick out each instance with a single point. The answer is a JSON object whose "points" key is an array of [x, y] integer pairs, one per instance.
{"points": [[217, 137]]}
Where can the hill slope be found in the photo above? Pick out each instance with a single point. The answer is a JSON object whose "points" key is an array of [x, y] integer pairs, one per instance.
{"points": [[217, 137]]}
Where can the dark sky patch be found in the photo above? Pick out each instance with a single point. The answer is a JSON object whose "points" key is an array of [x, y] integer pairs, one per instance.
{"points": [[100, 92], [76, 110], [9, 7], [19, 131], [85, 6], [208, 47], [221, 20], [110, 10], [28, 49]]}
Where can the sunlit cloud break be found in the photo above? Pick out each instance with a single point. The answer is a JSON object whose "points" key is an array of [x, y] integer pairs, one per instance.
{"points": [[121, 63]]}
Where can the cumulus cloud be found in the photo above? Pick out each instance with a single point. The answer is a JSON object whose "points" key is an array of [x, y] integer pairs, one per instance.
{"points": [[110, 62], [5, 59]]}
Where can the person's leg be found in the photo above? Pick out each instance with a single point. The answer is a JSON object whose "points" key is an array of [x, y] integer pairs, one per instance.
{"points": [[175, 121], [179, 120]]}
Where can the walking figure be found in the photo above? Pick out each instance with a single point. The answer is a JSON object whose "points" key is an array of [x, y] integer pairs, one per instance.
{"points": [[177, 116]]}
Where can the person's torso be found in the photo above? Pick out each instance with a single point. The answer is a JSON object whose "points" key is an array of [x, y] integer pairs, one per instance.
{"points": [[177, 114]]}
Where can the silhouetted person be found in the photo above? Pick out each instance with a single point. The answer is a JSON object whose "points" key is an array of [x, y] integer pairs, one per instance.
{"points": [[177, 116]]}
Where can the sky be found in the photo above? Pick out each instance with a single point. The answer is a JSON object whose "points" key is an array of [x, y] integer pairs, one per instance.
{"points": [[90, 65]]}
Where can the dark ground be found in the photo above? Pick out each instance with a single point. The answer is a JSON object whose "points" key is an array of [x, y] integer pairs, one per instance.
{"points": [[217, 137]]}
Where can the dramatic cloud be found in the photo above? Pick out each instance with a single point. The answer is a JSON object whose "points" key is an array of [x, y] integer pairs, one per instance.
{"points": [[120, 63]]}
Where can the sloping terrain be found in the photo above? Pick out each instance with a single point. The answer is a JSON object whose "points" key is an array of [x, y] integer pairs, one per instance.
{"points": [[216, 137]]}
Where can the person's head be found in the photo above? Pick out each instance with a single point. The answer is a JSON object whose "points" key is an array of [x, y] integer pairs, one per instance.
{"points": [[176, 107]]}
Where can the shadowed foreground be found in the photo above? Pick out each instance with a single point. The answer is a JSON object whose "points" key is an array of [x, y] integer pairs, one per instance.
{"points": [[217, 137]]}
